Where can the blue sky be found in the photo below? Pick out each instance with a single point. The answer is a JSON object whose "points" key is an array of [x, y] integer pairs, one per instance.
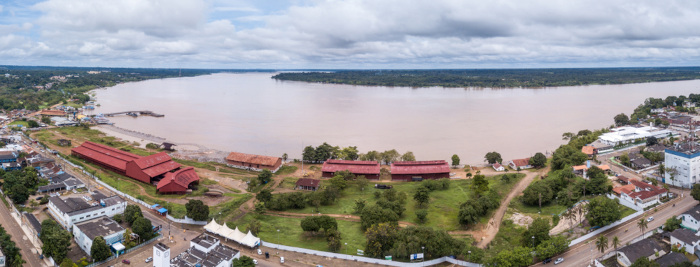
{"points": [[351, 34]]}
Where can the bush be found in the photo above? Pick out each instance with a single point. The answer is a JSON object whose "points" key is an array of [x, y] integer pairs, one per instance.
{"points": [[152, 146], [422, 215]]}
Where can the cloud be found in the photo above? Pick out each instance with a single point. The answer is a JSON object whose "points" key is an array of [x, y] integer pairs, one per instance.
{"points": [[355, 33]]}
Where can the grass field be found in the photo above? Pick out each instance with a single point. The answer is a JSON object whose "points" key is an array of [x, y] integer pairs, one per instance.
{"points": [[442, 209], [290, 233], [22, 123], [548, 210]]}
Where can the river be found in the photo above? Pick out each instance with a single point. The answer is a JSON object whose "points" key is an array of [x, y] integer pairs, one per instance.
{"points": [[252, 113]]}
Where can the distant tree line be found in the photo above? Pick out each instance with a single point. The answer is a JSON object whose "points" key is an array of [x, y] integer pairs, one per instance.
{"points": [[496, 78], [325, 151]]}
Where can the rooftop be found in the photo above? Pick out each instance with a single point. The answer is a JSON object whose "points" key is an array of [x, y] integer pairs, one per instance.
{"points": [[102, 226], [521, 162], [253, 159], [205, 240], [694, 212], [685, 235], [671, 259], [308, 182], [195, 257], [687, 148], [420, 167], [643, 248], [354, 166], [33, 221]]}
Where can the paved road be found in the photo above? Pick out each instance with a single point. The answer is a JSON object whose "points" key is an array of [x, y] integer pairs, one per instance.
{"points": [[13, 228], [582, 254]]}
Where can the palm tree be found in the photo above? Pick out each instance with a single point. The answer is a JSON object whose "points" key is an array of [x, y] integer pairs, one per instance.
{"points": [[602, 243], [581, 211], [615, 244], [643, 225]]}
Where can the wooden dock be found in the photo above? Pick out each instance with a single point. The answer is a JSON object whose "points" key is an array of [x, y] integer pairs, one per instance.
{"points": [[138, 112]]}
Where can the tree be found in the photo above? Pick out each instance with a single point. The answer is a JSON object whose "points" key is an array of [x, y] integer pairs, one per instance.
{"points": [[375, 215], [422, 215], [539, 228], [621, 119], [45, 120], [243, 261], [567, 136], [643, 224], [567, 155], [455, 160], [422, 195], [624, 159], [603, 211], [265, 176], [616, 244], [99, 250], [32, 124], [339, 182], [652, 141], [132, 213], [310, 224], [334, 239], [260, 207], [644, 262], [56, 240], [309, 154], [517, 257], [380, 238], [284, 157], [67, 263], [390, 156], [19, 193], [408, 156], [265, 195], [254, 226], [197, 210], [601, 243], [143, 228], [672, 223], [360, 205], [598, 181], [117, 218], [493, 157], [537, 193], [695, 192], [552, 247], [539, 160], [362, 182], [480, 184], [348, 153]]}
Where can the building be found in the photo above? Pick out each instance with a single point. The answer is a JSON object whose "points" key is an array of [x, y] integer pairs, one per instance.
{"points": [[8, 156], [307, 184], [690, 219], [253, 162], [628, 135], [520, 163], [684, 238], [671, 259], [640, 163], [645, 248], [72, 210], [52, 113], [684, 160], [498, 167], [625, 189], [370, 169], [589, 150], [85, 232], [644, 195], [149, 169], [419, 170], [601, 147], [2, 259], [205, 251]]}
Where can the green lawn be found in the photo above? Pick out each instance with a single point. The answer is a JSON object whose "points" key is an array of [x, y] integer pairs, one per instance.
{"points": [[289, 183], [442, 209], [290, 233], [22, 123]]}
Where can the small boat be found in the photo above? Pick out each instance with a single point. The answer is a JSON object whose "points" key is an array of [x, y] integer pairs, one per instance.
{"points": [[132, 114]]}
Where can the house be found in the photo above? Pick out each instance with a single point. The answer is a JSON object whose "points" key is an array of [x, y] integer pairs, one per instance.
{"points": [[646, 248], [644, 194], [628, 134], [640, 163], [204, 250], [690, 219], [580, 169], [178, 182], [601, 147], [520, 163], [8, 156], [655, 148], [85, 232], [253, 162], [625, 189], [589, 150], [72, 210], [684, 238], [307, 184], [419, 170], [671, 259], [623, 180], [370, 169], [498, 167]]}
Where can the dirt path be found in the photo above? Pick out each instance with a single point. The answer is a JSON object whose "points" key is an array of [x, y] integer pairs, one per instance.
{"points": [[495, 222]]}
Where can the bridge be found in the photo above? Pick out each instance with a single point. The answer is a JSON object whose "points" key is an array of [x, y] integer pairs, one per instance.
{"points": [[135, 113]]}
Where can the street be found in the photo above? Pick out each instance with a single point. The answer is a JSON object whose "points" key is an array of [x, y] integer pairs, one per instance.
{"points": [[13, 228]]}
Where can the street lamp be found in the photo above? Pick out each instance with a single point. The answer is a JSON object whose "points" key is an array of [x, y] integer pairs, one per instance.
{"points": [[469, 256], [346, 250], [423, 259], [533, 248], [278, 241]]}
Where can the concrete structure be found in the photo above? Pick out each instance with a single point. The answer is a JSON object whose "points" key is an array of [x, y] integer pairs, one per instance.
{"points": [[2, 259], [684, 238], [601, 147], [8, 156], [52, 113], [419, 170], [684, 159], [690, 219], [254, 162], [205, 251], [72, 210], [307, 184], [85, 232], [628, 134], [645, 248], [370, 169], [522, 163]]}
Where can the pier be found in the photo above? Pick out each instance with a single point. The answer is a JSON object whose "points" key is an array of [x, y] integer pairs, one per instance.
{"points": [[135, 113]]}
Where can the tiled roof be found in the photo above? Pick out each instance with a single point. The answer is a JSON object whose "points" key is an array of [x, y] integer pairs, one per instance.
{"points": [[252, 159], [694, 212], [521, 162], [308, 182], [420, 167], [644, 248], [183, 178], [627, 189], [588, 150], [355, 167]]}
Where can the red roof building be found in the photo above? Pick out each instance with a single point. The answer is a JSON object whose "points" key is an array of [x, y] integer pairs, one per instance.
{"points": [[370, 169], [51, 112], [419, 170], [254, 161], [178, 181], [146, 169], [307, 184], [520, 163]]}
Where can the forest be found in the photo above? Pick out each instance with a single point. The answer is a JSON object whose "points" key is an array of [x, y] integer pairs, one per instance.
{"points": [[495, 78]]}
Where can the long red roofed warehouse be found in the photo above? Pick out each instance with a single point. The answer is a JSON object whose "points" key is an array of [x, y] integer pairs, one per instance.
{"points": [[419, 170], [370, 169], [148, 169], [255, 162]]}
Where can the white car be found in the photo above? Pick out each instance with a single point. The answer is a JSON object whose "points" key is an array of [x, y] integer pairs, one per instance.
{"points": [[259, 252], [149, 259], [650, 219], [559, 260], [281, 259], [255, 261]]}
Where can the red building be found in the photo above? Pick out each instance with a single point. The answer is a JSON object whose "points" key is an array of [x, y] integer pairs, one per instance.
{"points": [[178, 181], [243, 160], [419, 170], [370, 169], [148, 169]]}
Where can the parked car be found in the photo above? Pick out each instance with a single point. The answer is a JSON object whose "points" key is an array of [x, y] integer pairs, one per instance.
{"points": [[547, 260], [126, 262], [650, 219], [150, 259], [559, 260], [255, 261], [259, 252], [281, 259], [382, 186]]}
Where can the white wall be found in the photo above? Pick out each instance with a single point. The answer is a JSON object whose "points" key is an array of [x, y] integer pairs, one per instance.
{"points": [[689, 222]]}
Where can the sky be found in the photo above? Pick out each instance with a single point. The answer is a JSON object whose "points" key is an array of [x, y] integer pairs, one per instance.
{"points": [[353, 34]]}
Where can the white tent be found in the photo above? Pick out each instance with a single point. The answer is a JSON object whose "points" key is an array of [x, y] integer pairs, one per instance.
{"points": [[236, 235]]}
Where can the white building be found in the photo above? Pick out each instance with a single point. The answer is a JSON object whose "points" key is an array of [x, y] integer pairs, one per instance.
{"points": [[644, 195], [684, 238], [498, 167], [627, 134], [70, 211], [690, 219], [85, 232], [684, 159], [205, 251]]}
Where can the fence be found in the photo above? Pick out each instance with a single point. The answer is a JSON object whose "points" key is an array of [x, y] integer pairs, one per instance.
{"points": [[186, 220], [605, 228], [126, 251], [370, 260]]}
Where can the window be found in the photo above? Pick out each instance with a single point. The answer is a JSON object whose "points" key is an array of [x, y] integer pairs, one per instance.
{"points": [[87, 216]]}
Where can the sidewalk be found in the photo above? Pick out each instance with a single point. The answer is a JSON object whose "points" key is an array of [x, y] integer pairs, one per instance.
{"points": [[32, 238]]}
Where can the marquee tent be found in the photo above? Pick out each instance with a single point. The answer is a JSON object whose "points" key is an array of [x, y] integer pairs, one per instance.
{"points": [[236, 235]]}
